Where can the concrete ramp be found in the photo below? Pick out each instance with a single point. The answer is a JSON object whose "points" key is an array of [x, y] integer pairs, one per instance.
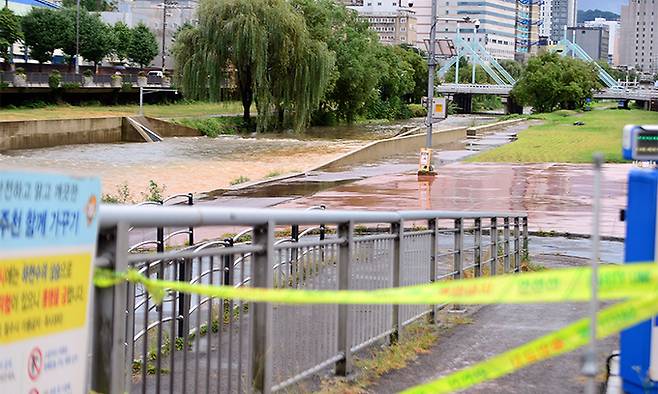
{"points": [[148, 134]]}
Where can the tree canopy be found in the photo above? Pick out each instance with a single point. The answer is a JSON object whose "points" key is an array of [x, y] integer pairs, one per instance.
{"points": [[277, 62], [122, 35], [10, 32], [45, 30], [552, 81], [143, 46]]}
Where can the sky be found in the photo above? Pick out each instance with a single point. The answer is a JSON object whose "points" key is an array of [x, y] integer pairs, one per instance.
{"points": [[606, 5]]}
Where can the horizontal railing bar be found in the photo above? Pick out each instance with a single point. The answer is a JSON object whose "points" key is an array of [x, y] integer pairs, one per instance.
{"points": [[419, 232], [420, 215], [372, 340], [308, 372], [413, 319], [142, 216], [446, 275], [375, 237], [452, 253], [221, 251], [305, 244]]}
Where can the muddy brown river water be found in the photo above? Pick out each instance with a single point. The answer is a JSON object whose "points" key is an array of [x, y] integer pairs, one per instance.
{"points": [[198, 164]]}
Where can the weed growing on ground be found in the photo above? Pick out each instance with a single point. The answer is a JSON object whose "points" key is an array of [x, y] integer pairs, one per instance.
{"points": [[155, 192], [273, 174], [122, 196], [418, 338], [239, 180]]}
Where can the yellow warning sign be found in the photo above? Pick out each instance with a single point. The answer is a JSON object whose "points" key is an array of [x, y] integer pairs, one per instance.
{"points": [[42, 295]]}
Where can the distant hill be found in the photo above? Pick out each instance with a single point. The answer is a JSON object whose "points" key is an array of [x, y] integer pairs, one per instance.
{"points": [[606, 5], [590, 15]]}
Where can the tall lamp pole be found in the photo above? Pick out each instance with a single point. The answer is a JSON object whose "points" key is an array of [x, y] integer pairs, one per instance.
{"points": [[77, 38], [431, 66]]}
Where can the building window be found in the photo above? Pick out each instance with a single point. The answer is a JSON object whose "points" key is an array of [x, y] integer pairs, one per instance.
{"points": [[403, 20]]}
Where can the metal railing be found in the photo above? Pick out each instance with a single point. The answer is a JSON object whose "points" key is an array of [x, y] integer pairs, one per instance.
{"points": [[200, 344]]}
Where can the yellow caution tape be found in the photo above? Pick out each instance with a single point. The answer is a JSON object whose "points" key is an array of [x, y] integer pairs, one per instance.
{"points": [[636, 281], [572, 284], [609, 321]]}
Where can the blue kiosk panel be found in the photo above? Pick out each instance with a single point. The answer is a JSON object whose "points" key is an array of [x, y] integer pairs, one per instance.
{"points": [[640, 245]]}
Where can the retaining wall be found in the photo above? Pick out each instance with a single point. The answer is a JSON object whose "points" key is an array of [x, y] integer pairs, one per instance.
{"points": [[380, 149], [30, 134], [44, 133]]}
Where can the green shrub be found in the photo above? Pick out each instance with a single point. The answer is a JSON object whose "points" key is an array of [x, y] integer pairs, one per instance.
{"points": [[54, 79], [155, 192], [213, 127], [70, 85], [126, 87], [88, 73], [239, 180], [417, 110]]}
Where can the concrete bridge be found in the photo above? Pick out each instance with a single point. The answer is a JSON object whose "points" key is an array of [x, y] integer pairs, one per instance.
{"points": [[462, 95]]}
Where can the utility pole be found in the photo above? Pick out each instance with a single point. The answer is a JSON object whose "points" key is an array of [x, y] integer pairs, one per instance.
{"points": [[431, 63], [164, 33], [77, 37]]}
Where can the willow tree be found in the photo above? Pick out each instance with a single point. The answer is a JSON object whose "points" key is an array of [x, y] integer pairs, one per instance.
{"points": [[267, 45]]}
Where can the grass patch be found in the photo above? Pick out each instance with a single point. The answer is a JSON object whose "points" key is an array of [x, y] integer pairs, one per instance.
{"points": [[213, 127], [418, 338], [94, 110], [559, 141], [239, 180], [273, 174]]}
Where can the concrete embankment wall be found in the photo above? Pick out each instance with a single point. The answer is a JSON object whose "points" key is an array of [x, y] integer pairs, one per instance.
{"points": [[30, 134], [473, 131], [380, 149]]}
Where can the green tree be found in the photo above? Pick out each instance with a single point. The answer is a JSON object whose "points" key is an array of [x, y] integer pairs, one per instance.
{"points": [[277, 62], [551, 81], [355, 74], [396, 80], [96, 38], [10, 32], [514, 68], [91, 5], [417, 59], [122, 34], [143, 46], [44, 31]]}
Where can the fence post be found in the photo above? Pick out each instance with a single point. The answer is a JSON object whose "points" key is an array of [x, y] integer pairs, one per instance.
{"points": [[294, 252], [506, 234], [493, 236], [397, 228], [477, 250], [345, 250], [108, 349], [458, 259], [517, 245], [525, 237], [431, 225], [261, 326], [190, 236]]}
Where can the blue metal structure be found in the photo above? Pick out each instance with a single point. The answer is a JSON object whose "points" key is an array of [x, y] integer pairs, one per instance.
{"points": [[640, 143], [478, 55]]}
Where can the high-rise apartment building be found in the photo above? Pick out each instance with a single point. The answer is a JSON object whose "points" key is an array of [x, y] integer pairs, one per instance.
{"points": [[563, 14], [639, 35], [613, 30], [497, 30], [394, 22], [594, 40], [546, 16]]}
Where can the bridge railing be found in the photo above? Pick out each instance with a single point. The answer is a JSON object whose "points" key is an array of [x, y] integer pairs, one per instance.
{"points": [[201, 344]]}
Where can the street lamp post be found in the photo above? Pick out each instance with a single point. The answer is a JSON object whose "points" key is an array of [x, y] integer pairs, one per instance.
{"points": [[77, 38], [431, 63]]}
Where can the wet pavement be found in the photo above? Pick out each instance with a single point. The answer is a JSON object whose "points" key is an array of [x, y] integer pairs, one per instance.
{"points": [[199, 164]]}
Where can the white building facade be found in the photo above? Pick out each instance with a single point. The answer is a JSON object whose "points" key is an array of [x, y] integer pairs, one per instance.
{"points": [[613, 30], [393, 22], [151, 14], [638, 45]]}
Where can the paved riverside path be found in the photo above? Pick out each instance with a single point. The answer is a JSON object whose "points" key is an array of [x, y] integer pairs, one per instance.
{"points": [[495, 329]]}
